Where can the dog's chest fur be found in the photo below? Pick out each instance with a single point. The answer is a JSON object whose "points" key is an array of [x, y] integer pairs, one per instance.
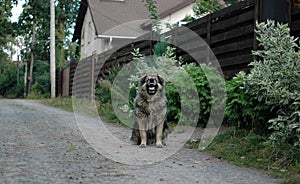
{"points": [[152, 111]]}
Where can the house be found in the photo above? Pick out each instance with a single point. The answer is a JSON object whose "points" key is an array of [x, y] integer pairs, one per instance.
{"points": [[103, 24]]}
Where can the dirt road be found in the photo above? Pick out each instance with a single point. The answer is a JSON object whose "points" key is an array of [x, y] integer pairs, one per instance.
{"points": [[41, 144]]}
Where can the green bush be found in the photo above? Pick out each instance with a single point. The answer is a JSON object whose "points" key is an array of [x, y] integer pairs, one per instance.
{"points": [[199, 75], [103, 95], [242, 109], [41, 80], [9, 86], [275, 80], [202, 8], [102, 92]]}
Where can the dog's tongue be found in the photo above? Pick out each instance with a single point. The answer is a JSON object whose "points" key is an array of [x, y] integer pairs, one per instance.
{"points": [[152, 88]]}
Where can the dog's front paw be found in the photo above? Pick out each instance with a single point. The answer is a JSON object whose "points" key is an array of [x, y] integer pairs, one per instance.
{"points": [[143, 146], [159, 145]]}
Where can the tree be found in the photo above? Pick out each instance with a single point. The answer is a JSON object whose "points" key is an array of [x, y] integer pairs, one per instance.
{"points": [[7, 32], [9, 86], [35, 28], [66, 12]]}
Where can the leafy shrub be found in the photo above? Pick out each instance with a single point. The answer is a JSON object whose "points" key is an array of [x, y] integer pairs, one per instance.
{"points": [[102, 92], [103, 88], [9, 86], [242, 109], [41, 80], [202, 8], [199, 75], [249, 149], [275, 80]]}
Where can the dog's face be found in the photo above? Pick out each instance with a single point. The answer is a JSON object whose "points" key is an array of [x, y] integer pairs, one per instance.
{"points": [[152, 84]]}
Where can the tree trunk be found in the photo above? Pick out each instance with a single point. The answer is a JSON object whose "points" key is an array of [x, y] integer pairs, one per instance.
{"points": [[61, 21], [31, 57], [60, 56]]}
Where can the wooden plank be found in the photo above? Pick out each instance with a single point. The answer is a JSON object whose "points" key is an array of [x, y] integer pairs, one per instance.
{"points": [[230, 72], [208, 29], [195, 24], [194, 44], [237, 60], [238, 32], [232, 47], [125, 58], [185, 39], [295, 10], [295, 26], [231, 9], [232, 21], [65, 82]]}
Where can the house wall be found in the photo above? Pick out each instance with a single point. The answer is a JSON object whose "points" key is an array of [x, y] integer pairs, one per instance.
{"points": [[177, 16], [90, 44]]}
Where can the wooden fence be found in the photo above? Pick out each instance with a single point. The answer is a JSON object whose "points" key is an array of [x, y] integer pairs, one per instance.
{"points": [[228, 32]]}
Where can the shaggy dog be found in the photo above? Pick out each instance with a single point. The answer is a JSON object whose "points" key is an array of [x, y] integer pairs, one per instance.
{"points": [[150, 124]]}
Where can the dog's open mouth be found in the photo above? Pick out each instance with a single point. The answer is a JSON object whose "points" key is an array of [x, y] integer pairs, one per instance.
{"points": [[151, 86], [151, 90]]}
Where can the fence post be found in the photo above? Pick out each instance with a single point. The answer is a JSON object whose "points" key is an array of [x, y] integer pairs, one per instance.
{"points": [[208, 30], [208, 38], [256, 19], [92, 82]]}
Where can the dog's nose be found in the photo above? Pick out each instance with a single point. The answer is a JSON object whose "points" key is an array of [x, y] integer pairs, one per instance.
{"points": [[152, 81]]}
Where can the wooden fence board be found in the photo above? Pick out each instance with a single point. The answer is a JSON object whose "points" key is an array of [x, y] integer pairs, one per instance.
{"points": [[233, 47], [233, 21], [236, 60], [238, 32], [233, 9]]}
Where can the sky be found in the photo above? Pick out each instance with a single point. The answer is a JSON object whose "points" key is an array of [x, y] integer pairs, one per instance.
{"points": [[17, 10]]}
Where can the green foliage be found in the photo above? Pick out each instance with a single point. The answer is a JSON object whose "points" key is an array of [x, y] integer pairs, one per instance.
{"points": [[35, 16], [60, 102], [249, 149], [275, 80], [203, 7], [242, 109], [199, 76], [151, 6], [41, 75], [103, 91], [7, 29], [160, 48], [103, 96], [173, 104], [9, 86], [66, 12]]}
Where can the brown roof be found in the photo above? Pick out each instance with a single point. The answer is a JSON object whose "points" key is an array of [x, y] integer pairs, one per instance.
{"points": [[111, 17]]}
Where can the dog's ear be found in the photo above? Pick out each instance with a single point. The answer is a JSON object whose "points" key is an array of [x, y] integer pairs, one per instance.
{"points": [[143, 80], [160, 80]]}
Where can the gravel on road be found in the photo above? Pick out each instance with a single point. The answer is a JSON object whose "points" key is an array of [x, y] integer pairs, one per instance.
{"points": [[41, 144]]}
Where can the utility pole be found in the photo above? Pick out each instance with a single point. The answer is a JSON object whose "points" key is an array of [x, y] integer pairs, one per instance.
{"points": [[52, 47]]}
